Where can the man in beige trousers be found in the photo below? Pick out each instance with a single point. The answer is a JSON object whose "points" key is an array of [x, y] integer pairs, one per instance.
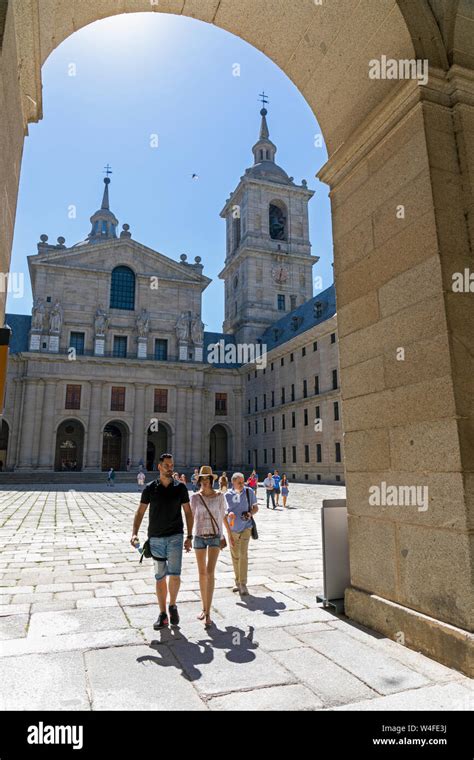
{"points": [[241, 505]]}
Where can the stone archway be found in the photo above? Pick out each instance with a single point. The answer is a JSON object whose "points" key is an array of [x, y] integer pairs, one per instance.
{"points": [[69, 446], [403, 224], [4, 438], [158, 442], [218, 448], [115, 439]]}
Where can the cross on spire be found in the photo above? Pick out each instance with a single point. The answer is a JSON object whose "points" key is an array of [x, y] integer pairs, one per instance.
{"points": [[108, 170], [264, 99]]}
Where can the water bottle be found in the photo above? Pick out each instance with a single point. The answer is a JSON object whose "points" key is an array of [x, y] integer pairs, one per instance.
{"points": [[137, 546]]}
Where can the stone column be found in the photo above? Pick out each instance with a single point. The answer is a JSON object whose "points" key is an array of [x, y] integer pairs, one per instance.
{"points": [[180, 424], [47, 447], [93, 453], [27, 423], [138, 452], [402, 216], [15, 428]]}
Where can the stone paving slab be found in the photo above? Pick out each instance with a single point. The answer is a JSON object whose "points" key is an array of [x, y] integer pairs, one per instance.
{"points": [[331, 683], [139, 678], [450, 696], [45, 624], [377, 669], [44, 682], [291, 697]]}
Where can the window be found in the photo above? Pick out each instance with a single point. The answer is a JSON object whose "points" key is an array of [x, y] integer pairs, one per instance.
{"points": [[273, 398], [282, 395], [292, 358], [293, 454], [315, 345], [318, 477], [255, 373], [249, 428], [318, 309], [256, 403], [306, 453], [316, 385], [237, 232], [122, 290], [161, 349], [318, 412], [336, 410], [221, 404], [292, 392], [161, 400], [271, 367], [282, 361], [120, 345], [256, 427], [305, 416], [77, 341], [283, 455], [264, 424], [292, 302], [273, 424], [277, 221], [319, 453], [248, 406], [248, 456], [273, 456], [248, 377], [73, 397], [264, 400], [338, 478], [265, 456], [117, 399], [305, 389], [293, 419], [283, 423], [281, 302], [334, 379], [303, 351], [338, 452], [333, 337]]}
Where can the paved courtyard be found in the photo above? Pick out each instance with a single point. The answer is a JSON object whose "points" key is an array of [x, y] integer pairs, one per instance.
{"points": [[77, 612]]}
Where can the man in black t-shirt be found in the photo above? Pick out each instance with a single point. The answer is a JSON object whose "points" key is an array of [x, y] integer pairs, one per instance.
{"points": [[166, 496]]}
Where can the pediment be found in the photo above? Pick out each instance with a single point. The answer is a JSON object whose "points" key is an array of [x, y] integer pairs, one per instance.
{"points": [[103, 257]]}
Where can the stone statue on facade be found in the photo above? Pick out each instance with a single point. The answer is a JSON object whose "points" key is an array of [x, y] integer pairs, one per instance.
{"points": [[182, 327], [143, 323], [197, 330], [38, 312], [101, 322], [55, 318]]}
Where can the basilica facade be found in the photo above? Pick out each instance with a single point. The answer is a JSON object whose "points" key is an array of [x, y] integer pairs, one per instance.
{"points": [[114, 367]]}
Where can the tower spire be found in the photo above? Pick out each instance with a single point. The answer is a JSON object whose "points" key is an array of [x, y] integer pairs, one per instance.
{"points": [[264, 149], [104, 222]]}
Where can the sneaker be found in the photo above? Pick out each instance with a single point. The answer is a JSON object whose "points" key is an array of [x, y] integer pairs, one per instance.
{"points": [[174, 617], [244, 590], [162, 621]]}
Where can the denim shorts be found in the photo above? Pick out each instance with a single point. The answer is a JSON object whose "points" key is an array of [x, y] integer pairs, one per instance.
{"points": [[169, 550], [203, 543]]}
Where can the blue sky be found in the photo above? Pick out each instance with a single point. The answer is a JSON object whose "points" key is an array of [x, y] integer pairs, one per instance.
{"points": [[138, 75]]}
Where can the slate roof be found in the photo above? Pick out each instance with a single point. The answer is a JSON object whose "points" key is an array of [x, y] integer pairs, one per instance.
{"points": [[20, 325]]}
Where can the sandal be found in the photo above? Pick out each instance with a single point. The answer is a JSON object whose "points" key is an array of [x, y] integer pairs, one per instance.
{"points": [[208, 622], [201, 615]]}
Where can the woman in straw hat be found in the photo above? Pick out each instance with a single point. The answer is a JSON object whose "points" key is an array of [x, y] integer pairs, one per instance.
{"points": [[208, 507]]}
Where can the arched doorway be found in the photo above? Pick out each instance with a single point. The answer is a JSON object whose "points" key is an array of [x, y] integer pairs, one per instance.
{"points": [[4, 434], [158, 442], [218, 448], [69, 446], [114, 446]]}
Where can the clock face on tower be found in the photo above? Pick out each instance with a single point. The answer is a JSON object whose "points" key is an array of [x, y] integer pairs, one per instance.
{"points": [[280, 273]]}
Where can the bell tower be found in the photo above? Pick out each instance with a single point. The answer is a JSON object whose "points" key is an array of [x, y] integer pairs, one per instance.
{"points": [[268, 264]]}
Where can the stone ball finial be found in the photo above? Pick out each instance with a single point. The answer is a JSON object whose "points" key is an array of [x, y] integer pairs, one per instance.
{"points": [[44, 238], [263, 112], [304, 182], [197, 259], [126, 227], [183, 257], [61, 240]]}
